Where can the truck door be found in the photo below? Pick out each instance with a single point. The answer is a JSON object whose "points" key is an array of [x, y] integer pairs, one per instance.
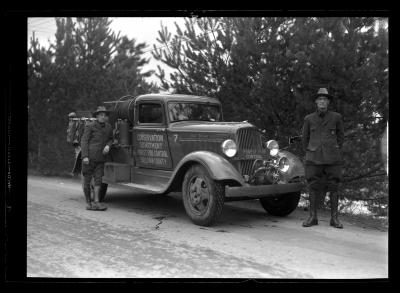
{"points": [[150, 142]]}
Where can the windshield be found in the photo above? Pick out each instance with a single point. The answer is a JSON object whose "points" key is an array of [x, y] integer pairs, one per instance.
{"points": [[193, 111]]}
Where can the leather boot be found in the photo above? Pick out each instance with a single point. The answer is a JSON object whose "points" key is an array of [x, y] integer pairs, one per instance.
{"points": [[86, 192], [334, 199], [97, 205], [312, 220]]}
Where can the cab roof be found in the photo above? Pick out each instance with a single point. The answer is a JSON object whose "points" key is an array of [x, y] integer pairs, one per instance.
{"points": [[177, 98]]}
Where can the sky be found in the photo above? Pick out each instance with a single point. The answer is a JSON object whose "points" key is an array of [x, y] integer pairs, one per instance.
{"points": [[143, 29]]}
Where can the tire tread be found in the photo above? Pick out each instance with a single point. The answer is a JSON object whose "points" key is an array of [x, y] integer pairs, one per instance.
{"points": [[283, 210], [219, 197]]}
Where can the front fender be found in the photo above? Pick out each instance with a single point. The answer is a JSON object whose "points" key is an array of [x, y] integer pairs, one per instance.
{"points": [[218, 167], [296, 168]]}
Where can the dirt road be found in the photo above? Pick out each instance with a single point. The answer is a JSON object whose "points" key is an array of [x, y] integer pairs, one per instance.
{"points": [[150, 236]]}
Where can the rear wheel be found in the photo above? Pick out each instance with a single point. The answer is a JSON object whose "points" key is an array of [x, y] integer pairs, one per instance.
{"points": [[281, 205], [203, 197]]}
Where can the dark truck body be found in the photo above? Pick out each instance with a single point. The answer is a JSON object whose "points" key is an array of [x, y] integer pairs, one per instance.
{"points": [[154, 156]]}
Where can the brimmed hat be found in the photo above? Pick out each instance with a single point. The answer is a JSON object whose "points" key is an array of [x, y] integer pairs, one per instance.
{"points": [[323, 92], [101, 109]]}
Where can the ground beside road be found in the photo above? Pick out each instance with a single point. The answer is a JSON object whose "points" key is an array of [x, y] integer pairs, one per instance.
{"points": [[150, 236]]}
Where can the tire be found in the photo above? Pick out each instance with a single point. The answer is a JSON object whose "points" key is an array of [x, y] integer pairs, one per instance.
{"points": [[281, 205], [203, 197]]}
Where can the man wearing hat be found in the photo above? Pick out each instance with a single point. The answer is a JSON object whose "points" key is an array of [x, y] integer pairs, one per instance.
{"points": [[96, 142], [322, 139]]}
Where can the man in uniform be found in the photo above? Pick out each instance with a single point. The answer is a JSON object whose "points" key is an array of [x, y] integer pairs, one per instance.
{"points": [[96, 142], [322, 139]]}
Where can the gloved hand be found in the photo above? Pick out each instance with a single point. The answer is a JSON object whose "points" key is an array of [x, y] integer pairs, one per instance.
{"points": [[106, 150], [85, 160]]}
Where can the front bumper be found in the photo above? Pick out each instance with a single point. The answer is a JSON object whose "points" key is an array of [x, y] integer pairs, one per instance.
{"points": [[259, 191]]}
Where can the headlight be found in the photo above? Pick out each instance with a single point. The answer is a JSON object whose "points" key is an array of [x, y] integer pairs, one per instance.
{"points": [[273, 147], [284, 164], [274, 152], [229, 148]]}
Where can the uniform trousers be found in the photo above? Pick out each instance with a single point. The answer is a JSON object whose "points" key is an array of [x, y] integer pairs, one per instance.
{"points": [[323, 177], [93, 169]]}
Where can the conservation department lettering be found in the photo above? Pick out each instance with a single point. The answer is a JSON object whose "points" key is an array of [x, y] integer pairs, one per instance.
{"points": [[151, 149], [150, 145], [152, 153], [153, 161], [150, 137]]}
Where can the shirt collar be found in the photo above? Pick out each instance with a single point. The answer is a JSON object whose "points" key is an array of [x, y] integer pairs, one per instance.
{"points": [[322, 114], [101, 124]]}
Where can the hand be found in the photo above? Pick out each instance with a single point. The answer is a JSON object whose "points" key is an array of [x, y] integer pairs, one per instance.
{"points": [[106, 150], [85, 160]]}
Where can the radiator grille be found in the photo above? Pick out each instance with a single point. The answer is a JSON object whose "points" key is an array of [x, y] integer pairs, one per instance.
{"points": [[249, 139], [245, 167], [249, 142]]}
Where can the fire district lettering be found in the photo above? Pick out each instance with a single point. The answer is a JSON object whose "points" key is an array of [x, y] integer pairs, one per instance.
{"points": [[151, 149]]}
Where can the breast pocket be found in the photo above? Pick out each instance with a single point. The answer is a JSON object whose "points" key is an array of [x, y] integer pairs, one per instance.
{"points": [[332, 136]]}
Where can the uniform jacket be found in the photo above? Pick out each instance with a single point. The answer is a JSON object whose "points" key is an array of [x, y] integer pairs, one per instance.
{"points": [[95, 137], [323, 138]]}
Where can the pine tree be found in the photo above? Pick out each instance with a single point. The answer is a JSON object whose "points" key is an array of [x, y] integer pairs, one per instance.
{"points": [[266, 70], [86, 65]]}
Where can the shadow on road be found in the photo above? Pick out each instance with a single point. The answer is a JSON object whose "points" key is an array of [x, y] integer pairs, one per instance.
{"points": [[242, 213]]}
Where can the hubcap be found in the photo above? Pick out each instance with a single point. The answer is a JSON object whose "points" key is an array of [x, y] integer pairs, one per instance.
{"points": [[199, 194]]}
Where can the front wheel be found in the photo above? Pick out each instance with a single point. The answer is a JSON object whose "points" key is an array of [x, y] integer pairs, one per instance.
{"points": [[203, 197], [281, 205]]}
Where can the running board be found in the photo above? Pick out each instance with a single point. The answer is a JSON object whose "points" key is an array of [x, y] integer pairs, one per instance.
{"points": [[144, 187]]}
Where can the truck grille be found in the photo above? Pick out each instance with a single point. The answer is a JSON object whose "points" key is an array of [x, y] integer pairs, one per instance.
{"points": [[245, 167], [249, 142], [249, 139]]}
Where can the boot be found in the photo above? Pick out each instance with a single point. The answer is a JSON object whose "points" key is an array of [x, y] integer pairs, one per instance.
{"points": [[312, 219], [334, 199], [97, 205], [86, 191]]}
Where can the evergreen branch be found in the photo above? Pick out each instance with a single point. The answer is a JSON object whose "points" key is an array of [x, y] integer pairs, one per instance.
{"points": [[368, 199], [178, 68]]}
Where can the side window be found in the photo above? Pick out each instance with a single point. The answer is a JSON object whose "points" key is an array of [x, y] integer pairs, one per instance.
{"points": [[150, 113]]}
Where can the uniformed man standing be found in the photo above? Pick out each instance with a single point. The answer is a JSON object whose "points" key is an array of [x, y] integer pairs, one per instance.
{"points": [[322, 138], [96, 142]]}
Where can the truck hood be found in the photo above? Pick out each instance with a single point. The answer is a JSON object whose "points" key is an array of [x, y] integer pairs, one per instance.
{"points": [[206, 126]]}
